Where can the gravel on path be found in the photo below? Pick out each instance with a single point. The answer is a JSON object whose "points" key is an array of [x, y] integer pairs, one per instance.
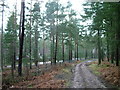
{"points": [[83, 78]]}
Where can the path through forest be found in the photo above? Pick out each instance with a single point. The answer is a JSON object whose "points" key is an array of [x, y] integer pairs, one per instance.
{"points": [[83, 78]]}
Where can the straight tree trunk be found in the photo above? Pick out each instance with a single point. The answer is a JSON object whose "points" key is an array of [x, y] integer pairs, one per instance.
{"points": [[86, 54], [70, 49], [30, 36], [15, 28], [36, 48], [77, 51], [108, 49], [2, 55], [118, 36], [12, 58], [56, 45], [112, 56], [62, 48], [14, 63], [24, 46], [21, 37], [91, 54], [99, 50], [117, 56], [43, 48], [53, 48], [69, 53], [30, 52]]}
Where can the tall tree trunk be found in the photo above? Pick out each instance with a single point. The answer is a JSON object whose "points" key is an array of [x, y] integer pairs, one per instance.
{"points": [[53, 48], [70, 48], [91, 54], [25, 46], [14, 63], [36, 47], [15, 28], [117, 56], [99, 48], [2, 54], [101, 51], [112, 56], [109, 45], [30, 35], [62, 48], [86, 54], [69, 53], [30, 52], [21, 37], [56, 45], [117, 36], [77, 50], [12, 58], [108, 48], [43, 48]]}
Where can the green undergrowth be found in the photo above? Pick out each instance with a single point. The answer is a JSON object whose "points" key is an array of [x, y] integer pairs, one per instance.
{"points": [[68, 74], [101, 70], [95, 68]]}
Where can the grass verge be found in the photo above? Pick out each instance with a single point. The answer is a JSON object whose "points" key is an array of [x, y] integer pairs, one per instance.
{"points": [[108, 72]]}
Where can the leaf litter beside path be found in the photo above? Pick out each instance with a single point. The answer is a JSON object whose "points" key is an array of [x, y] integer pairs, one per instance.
{"points": [[109, 73], [49, 79]]}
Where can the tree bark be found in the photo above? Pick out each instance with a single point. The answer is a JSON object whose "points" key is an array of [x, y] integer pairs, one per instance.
{"points": [[21, 37], [15, 33], [62, 48], [56, 45], [108, 48], [86, 54], [99, 48], [69, 53], [12, 58], [36, 47], [53, 48], [2, 55], [117, 36], [30, 36], [30, 52], [43, 48], [77, 51]]}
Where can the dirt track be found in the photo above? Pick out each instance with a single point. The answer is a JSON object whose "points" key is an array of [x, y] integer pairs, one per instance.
{"points": [[83, 78]]}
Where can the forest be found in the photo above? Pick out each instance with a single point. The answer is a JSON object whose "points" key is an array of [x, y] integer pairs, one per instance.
{"points": [[48, 44]]}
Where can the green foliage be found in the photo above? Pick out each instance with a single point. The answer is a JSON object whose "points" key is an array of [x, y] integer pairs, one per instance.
{"points": [[10, 38], [95, 69], [104, 20]]}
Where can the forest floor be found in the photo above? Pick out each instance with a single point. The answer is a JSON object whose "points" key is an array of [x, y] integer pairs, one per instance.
{"points": [[78, 74], [47, 76], [107, 73]]}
